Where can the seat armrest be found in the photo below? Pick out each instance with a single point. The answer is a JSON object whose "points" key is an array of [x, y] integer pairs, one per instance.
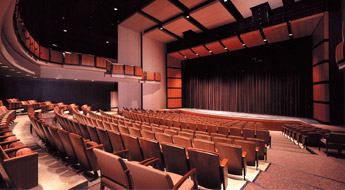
{"points": [[99, 146], [192, 174], [244, 154], [8, 142], [149, 161], [224, 162], [122, 153], [257, 149]]}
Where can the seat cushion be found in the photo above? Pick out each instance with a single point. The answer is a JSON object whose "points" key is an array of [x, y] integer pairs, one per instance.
{"points": [[188, 184], [23, 151]]}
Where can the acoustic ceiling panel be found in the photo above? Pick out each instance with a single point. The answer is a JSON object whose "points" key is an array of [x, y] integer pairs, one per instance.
{"points": [[305, 26], [252, 39], [201, 51], [176, 55], [243, 6], [215, 47], [159, 35], [138, 22], [162, 10], [212, 15], [180, 25], [277, 33], [232, 43], [188, 53], [191, 3]]}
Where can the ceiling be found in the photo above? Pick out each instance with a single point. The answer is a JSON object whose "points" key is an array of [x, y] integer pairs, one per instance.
{"points": [[91, 25]]}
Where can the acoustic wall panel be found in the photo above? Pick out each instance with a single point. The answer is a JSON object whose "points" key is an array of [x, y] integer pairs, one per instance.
{"points": [[174, 93], [321, 92], [129, 70], [321, 112], [321, 73], [72, 58], [174, 83], [174, 73], [174, 103], [88, 60], [118, 69], [101, 62], [321, 53]]}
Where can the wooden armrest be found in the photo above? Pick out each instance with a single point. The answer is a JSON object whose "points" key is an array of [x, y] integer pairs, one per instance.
{"points": [[224, 162], [15, 149], [8, 142], [122, 153], [244, 154], [146, 160], [100, 146], [185, 177], [150, 162], [4, 137], [257, 149]]}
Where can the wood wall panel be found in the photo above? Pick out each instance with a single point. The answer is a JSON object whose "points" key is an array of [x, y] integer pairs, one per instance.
{"points": [[162, 10], [150, 76], [138, 22], [233, 43], [88, 60], [201, 51], [118, 69], [129, 70], [277, 33], [321, 112], [321, 92], [72, 59], [157, 77], [174, 103], [55, 56], [175, 73], [215, 47], [321, 72], [321, 53], [252, 39], [44, 53], [305, 26], [101, 62], [174, 93], [138, 71], [174, 83]]}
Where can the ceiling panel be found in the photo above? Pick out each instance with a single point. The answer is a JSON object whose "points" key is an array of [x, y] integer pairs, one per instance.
{"points": [[188, 53], [138, 22], [192, 3], [277, 33], [212, 15], [244, 6], [162, 10], [201, 51], [159, 35], [305, 26], [252, 39], [232, 43], [180, 25], [215, 47], [176, 55]]}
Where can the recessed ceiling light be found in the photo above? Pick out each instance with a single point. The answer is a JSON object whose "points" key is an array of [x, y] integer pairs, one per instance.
{"points": [[27, 75], [185, 57], [8, 75], [19, 72], [54, 45], [115, 9], [92, 80], [161, 28], [64, 30], [290, 34], [107, 42], [265, 40], [225, 0], [12, 70], [34, 77], [75, 79], [210, 51], [197, 54], [225, 48], [244, 44], [4, 66], [187, 16]]}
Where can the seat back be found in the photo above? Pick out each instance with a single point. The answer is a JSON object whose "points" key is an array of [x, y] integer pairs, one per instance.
{"points": [[212, 128], [221, 140], [170, 132], [144, 177], [336, 138], [233, 138], [148, 134], [201, 127], [192, 126], [66, 142], [182, 141], [123, 129], [162, 137], [80, 151], [204, 145], [84, 131], [236, 131], [234, 154], [151, 149], [262, 148], [58, 142], [208, 168], [132, 144], [249, 147], [202, 136], [248, 133], [115, 140], [186, 134], [104, 139], [113, 168], [175, 158], [157, 129], [93, 134], [134, 131]]}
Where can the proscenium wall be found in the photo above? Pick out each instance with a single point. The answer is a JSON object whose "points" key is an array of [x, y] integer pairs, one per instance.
{"points": [[95, 94]]}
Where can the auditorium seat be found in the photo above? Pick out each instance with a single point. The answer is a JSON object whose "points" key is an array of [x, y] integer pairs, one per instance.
{"points": [[192, 126], [114, 172], [162, 137], [114, 127], [252, 151], [221, 140], [186, 134], [201, 127], [134, 132], [151, 149], [236, 131], [170, 132], [184, 125], [262, 153], [157, 129], [175, 158], [66, 142], [204, 137], [233, 138], [182, 141], [148, 134], [131, 143], [211, 171], [248, 133], [205, 145], [104, 139], [212, 129], [237, 158], [85, 155], [264, 134], [58, 141], [144, 177], [115, 140], [123, 129], [93, 134], [84, 131]]}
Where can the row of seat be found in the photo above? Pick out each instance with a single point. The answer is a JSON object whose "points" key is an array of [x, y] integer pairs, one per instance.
{"points": [[6, 117], [69, 145], [19, 164]]}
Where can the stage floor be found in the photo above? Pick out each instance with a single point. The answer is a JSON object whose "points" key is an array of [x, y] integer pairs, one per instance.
{"points": [[250, 115]]}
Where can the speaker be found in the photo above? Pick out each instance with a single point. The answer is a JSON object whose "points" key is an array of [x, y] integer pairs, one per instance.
{"points": [[261, 14]]}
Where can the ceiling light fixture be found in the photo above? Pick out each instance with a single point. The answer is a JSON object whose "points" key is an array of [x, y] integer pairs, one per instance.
{"points": [[185, 57], [115, 9], [187, 16], [4, 66], [290, 34], [197, 54], [75, 79], [107, 42], [161, 28], [244, 44], [8, 75], [64, 30], [265, 40], [225, 1], [210, 51], [225, 48], [19, 72], [54, 45]]}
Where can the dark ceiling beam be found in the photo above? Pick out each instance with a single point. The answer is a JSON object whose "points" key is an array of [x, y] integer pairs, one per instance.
{"points": [[232, 10], [170, 33], [150, 17]]}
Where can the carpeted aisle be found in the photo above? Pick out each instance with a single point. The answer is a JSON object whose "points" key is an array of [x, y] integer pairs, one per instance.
{"points": [[295, 168]]}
